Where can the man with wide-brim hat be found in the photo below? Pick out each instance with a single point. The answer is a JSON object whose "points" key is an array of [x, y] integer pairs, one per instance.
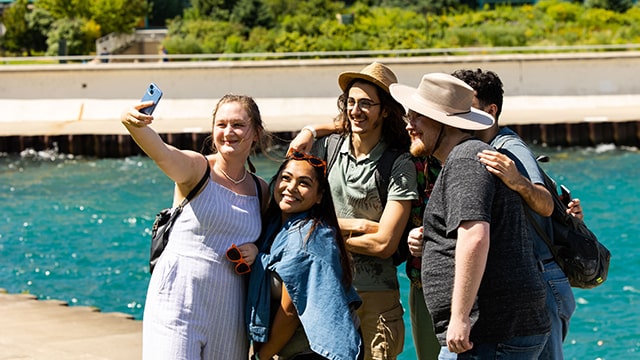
{"points": [[369, 125], [480, 280]]}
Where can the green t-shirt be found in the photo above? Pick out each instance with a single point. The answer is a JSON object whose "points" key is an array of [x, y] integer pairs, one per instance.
{"points": [[355, 195]]}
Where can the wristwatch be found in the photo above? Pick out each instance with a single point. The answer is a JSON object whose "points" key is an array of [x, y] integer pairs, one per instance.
{"points": [[255, 356]]}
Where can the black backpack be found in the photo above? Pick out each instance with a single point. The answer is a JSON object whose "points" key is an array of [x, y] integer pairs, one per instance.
{"points": [[576, 249], [382, 176]]}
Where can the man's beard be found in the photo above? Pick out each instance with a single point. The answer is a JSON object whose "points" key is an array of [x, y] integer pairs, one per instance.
{"points": [[418, 149]]}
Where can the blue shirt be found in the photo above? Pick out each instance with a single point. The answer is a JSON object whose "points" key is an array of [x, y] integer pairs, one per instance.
{"points": [[510, 144], [310, 269]]}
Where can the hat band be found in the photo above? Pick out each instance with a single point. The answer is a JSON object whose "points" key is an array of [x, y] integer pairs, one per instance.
{"points": [[458, 113]]}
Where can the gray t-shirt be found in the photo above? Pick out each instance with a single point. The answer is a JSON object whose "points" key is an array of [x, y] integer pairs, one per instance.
{"points": [[355, 195], [511, 298]]}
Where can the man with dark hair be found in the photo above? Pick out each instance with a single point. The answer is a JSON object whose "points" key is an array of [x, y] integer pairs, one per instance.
{"points": [[517, 167]]}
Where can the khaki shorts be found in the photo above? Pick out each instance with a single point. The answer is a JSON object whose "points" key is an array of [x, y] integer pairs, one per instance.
{"points": [[382, 324]]}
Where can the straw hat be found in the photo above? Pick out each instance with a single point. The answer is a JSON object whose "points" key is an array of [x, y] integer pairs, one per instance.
{"points": [[443, 98], [375, 72]]}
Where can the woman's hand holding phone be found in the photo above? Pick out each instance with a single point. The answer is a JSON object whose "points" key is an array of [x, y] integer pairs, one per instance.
{"points": [[140, 115], [153, 94]]}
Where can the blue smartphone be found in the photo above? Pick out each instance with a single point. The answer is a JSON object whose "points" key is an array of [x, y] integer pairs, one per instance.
{"points": [[154, 94]]}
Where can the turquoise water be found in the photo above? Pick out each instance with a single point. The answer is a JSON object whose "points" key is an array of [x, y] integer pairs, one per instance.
{"points": [[77, 229]]}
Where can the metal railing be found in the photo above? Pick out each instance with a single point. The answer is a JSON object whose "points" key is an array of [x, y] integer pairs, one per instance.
{"points": [[317, 54]]}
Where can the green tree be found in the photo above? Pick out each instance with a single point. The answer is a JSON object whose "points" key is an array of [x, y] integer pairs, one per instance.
{"points": [[39, 21], [251, 14], [163, 10], [213, 9], [69, 33], [111, 15], [15, 20], [619, 6], [80, 22], [119, 16], [20, 36], [66, 9]]}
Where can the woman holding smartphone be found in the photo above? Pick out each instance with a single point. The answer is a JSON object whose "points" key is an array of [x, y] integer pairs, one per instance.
{"points": [[195, 301], [301, 303]]}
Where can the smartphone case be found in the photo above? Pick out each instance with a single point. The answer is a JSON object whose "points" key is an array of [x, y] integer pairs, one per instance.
{"points": [[154, 94]]}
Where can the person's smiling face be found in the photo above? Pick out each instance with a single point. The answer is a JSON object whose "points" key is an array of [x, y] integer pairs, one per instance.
{"points": [[364, 109], [232, 129], [297, 188], [424, 133]]}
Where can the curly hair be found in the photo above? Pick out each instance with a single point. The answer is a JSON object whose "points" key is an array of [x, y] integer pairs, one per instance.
{"points": [[487, 85]]}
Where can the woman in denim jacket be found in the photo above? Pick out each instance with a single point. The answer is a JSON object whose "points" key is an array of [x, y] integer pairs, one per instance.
{"points": [[301, 304]]}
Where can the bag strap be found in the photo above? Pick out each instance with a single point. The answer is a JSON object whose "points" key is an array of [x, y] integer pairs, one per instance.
{"points": [[334, 143], [383, 172], [541, 232], [199, 186], [258, 189], [383, 166]]}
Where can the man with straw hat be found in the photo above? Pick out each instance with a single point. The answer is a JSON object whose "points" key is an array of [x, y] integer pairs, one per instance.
{"points": [[370, 123], [480, 280]]}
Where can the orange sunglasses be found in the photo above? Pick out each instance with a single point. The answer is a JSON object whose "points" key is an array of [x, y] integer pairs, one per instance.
{"points": [[312, 160], [234, 255]]}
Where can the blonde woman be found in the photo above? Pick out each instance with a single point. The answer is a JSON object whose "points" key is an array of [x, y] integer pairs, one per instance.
{"points": [[195, 301]]}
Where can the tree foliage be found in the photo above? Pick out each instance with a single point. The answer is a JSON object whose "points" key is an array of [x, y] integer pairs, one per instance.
{"points": [[228, 26], [619, 6], [312, 26], [18, 37], [163, 10], [78, 22]]}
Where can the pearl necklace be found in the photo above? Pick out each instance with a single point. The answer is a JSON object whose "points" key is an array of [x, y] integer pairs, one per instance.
{"points": [[232, 179]]}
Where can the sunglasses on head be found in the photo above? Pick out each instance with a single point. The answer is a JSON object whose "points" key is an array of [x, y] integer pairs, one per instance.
{"points": [[312, 160], [234, 255]]}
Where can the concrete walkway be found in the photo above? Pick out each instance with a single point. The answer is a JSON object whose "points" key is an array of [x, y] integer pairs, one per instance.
{"points": [[50, 330], [102, 117]]}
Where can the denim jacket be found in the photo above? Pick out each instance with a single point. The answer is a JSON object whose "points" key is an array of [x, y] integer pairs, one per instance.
{"points": [[312, 274]]}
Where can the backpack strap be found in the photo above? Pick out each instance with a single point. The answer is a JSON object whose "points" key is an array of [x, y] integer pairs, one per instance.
{"points": [[334, 143], [383, 167], [383, 172], [543, 235], [382, 177]]}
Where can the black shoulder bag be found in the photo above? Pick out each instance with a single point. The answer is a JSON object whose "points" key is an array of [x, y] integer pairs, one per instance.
{"points": [[575, 248], [165, 220]]}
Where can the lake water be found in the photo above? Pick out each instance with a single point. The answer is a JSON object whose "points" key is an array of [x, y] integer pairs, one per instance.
{"points": [[77, 229]]}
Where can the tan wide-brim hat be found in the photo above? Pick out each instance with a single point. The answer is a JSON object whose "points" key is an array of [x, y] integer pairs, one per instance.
{"points": [[445, 99], [375, 72]]}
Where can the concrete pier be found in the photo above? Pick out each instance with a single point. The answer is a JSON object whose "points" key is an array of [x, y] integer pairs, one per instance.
{"points": [[50, 330], [563, 99], [554, 121]]}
